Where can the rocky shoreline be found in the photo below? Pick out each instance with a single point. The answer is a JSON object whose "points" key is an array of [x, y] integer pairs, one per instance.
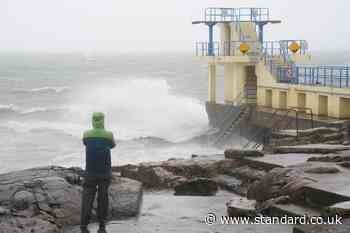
{"points": [[45, 200], [293, 180]]}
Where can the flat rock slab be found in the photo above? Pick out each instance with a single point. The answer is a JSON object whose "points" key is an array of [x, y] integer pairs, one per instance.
{"points": [[53, 195], [197, 187], [241, 208], [343, 228], [231, 184], [234, 153], [340, 209], [310, 149]]}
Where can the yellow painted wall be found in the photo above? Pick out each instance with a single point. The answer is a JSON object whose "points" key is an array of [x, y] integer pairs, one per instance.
{"points": [[268, 98], [282, 99], [234, 81], [338, 104], [323, 105], [211, 83], [344, 105], [225, 36]]}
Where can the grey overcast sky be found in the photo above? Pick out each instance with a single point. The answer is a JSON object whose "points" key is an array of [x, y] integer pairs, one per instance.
{"points": [[157, 25]]}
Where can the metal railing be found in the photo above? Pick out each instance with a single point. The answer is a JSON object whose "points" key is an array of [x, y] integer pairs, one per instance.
{"points": [[269, 49], [236, 14], [227, 48], [332, 76]]}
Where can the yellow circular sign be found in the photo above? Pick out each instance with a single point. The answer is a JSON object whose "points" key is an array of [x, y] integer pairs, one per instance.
{"points": [[244, 47], [294, 47]]}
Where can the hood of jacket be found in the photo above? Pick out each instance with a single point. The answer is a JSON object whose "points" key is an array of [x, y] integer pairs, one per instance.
{"points": [[98, 120]]}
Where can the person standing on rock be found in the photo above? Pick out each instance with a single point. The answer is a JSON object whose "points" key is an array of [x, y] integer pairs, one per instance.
{"points": [[97, 177]]}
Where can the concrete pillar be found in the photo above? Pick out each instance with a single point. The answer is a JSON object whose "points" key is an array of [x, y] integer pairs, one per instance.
{"points": [[234, 80], [225, 38], [211, 83], [312, 102], [275, 98], [292, 98], [334, 106]]}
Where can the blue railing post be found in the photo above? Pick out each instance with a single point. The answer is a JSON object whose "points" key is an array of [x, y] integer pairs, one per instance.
{"points": [[211, 39], [347, 76]]}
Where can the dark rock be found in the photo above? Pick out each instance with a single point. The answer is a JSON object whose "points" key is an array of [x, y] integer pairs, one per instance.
{"points": [[234, 154], [4, 211], [266, 205], [158, 177], [27, 225], [241, 208], [341, 209], [344, 164], [330, 158], [279, 182], [197, 187], [322, 170], [231, 184], [246, 173], [310, 149], [169, 173], [44, 196], [23, 199]]}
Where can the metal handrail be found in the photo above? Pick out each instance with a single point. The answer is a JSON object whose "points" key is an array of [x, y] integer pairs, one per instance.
{"points": [[276, 127], [236, 14], [227, 48], [333, 76]]}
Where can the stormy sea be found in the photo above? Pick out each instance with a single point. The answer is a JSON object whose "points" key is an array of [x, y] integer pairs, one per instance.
{"points": [[154, 104]]}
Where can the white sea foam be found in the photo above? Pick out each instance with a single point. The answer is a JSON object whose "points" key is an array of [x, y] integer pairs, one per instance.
{"points": [[11, 108], [141, 107], [42, 90]]}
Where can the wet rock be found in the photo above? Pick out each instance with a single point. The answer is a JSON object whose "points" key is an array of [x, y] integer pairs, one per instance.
{"points": [[279, 182], [266, 205], [341, 209], [44, 196], [158, 177], [344, 164], [197, 187], [231, 184], [310, 149], [246, 173], [334, 158], [241, 208], [234, 154], [27, 225], [23, 199], [170, 173], [322, 170], [125, 198], [4, 211]]}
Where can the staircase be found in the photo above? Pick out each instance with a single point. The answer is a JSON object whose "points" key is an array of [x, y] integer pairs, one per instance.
{"points": [[230, 125], [250, 85]]}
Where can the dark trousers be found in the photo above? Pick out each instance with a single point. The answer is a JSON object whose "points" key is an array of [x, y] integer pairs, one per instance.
{"points": [[92, 185]]}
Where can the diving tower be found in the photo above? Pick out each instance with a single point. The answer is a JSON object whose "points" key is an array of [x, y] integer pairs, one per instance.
{"points": [[267, 74]]}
